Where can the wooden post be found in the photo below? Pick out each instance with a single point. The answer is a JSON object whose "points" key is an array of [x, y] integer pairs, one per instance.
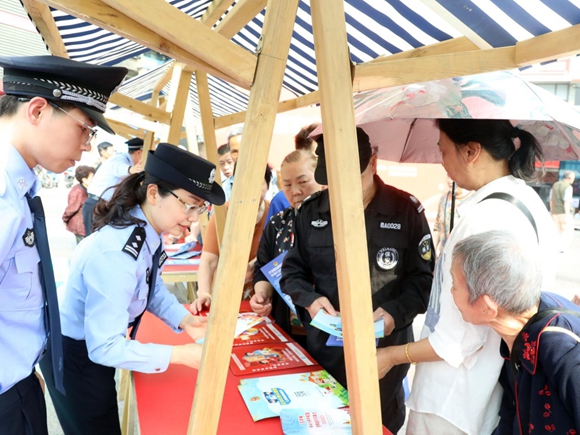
{"points": [[240, 224], [177, 101], [346, 205], [210, 143]]}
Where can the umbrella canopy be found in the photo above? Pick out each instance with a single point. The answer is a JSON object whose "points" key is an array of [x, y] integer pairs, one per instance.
{"points": [[400, 120]]}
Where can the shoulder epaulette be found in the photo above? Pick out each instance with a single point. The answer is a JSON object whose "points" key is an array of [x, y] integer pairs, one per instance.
{"points": [[406, 196], [310, 198], [135, 242]]}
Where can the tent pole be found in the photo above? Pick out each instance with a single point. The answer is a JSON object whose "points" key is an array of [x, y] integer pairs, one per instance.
{"points": [[346, 206], [259, 126]]}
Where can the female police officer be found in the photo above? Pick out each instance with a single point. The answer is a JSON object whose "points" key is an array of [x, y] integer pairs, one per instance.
{"points": [[115, 277]]}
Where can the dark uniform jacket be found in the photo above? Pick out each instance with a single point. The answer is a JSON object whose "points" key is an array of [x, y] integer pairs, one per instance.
{"points": [[401, 262], [546, 397]]}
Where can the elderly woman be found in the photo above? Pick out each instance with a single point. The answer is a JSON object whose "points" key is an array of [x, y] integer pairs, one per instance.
{"points": [[298, 183], [497, 282], [461, 362]]}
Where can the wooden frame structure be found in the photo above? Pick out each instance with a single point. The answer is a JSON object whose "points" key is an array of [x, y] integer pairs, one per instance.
{"points": [[196, 47]]}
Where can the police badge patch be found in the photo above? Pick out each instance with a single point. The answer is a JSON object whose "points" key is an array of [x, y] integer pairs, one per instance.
{"points": [[425, 248], [387, 258], [319, 223], [28, 237]]}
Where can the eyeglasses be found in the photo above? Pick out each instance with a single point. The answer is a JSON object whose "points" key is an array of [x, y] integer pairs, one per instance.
{"points": [[190, 210], [92, 131]]}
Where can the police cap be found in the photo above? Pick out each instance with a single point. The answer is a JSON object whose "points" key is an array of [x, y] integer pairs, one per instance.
{"points": [[134, 144], [57, 79], [364, 154], [185, 170]]}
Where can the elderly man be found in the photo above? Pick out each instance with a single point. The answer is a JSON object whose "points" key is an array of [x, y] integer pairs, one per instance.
{"points": [[497, 282], [401, 260]]}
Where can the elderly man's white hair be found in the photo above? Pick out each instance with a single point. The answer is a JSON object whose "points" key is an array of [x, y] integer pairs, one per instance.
{"points": [[502, 266]]}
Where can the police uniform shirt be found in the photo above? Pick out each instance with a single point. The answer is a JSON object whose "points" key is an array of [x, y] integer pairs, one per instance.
{"points": [[400, 254], [22, 330], [107, 289], [111, 173]]}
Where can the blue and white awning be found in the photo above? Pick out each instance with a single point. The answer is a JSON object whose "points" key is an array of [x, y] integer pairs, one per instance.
{"points": [[375, 28]]}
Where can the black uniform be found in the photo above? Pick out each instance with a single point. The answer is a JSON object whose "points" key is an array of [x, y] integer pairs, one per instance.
{"points": [[401, 264]]}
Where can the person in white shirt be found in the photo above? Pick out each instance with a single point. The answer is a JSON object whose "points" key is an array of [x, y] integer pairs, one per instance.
{"points": [[455, 389]]}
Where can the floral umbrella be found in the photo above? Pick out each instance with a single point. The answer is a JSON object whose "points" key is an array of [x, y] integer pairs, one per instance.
{"points": [[399, 120]]}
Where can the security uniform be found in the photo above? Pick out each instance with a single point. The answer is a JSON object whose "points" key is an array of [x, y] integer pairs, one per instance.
{"points": [[401, 263]]}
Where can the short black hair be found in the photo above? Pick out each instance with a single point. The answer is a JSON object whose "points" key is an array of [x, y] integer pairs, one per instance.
{"points": [[83, 171], [103, 146], [223, 150]]}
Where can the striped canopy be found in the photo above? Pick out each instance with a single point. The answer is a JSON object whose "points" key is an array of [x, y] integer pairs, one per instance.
{"points": [[375, 28]]}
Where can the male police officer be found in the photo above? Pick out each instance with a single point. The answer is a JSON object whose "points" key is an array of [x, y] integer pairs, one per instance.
{"points": [[401, 263], [47, 118], [111, 173]]}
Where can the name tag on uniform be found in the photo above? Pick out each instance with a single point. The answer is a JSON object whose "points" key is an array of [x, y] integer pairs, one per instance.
{"points": [[390, 226]]}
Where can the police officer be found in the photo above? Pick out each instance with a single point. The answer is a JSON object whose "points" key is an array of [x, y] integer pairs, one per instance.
{"points": [[115, 276], [49, 113], [400, 254], [111, 172]]}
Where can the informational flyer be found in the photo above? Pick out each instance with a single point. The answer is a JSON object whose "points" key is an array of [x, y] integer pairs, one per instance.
{"points": [[262, 334], [273, 272], [315, 421], [266, 397], [269, 357], [333, 324]]}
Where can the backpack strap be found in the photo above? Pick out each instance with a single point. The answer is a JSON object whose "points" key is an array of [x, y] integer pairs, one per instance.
{"points": [[513, 200]]}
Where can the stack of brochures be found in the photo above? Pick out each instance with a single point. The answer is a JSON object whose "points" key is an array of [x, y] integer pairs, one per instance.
{"points": [[315, 421], [266, 397]]}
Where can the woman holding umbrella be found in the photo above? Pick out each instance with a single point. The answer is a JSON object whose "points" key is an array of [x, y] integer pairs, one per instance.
{"points": [[460, 362]]}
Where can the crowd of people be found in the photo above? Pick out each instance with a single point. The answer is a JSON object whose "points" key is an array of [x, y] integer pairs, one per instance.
{"points": [[484, 284]]}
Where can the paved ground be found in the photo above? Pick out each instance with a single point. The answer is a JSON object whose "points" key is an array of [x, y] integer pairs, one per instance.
{"points": [[63, 243]]}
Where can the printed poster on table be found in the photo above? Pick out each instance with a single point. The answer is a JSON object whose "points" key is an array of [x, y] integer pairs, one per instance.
{"points": [[266, 397], [269, 357], [315, 421], [262, 334], [273, 272]]}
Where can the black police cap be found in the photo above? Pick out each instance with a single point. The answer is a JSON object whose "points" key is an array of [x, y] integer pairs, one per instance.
{"points": [[134, 144], [57, 79], [183, 169], [364, 154]]}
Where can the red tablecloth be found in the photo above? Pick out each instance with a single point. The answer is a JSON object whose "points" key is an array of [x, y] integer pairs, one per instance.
{"points": [[164, 400]]}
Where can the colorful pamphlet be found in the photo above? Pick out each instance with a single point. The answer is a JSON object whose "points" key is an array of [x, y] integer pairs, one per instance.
{"points": [[266, 397], [172, 261], [333, 324], [315, 421], [273, 272], [245, 322], [335, 341], [274, 356], [177, 249], [262, 334]]}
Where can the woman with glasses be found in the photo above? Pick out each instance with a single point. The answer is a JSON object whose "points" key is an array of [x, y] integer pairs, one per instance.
{"points": [[115, 277]]}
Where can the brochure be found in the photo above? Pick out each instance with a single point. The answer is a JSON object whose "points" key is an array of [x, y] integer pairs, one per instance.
{"points": [[245, 322], [262, 358], [335, 341], [317, 421], [179, 248], [172, 261], [273, 272], [333, 324], [265, 397], [261, 334]]}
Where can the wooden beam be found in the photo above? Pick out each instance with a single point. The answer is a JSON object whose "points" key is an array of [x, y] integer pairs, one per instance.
{"points": [[399, 72], [455, 45], [190, 132], [146, 110], [136, 121], [234, 253], [214, 12], [210, 144], [124, 130], [240, 15], [346, 207], [101, 15], [457, 24], [553, 45], [191, 35], [283, 106], [178, 96], [44, 22], [164, 79]]}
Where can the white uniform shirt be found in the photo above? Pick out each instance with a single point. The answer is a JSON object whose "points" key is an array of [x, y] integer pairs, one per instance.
{"points": [[107, 289], [111, 173], [464, 388]]}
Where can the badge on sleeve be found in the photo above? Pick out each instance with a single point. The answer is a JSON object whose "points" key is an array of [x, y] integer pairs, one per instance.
{"points": [[28, 237], [319, 223], [425, 248], [135, 242], [387, 258], [162, 258]]}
